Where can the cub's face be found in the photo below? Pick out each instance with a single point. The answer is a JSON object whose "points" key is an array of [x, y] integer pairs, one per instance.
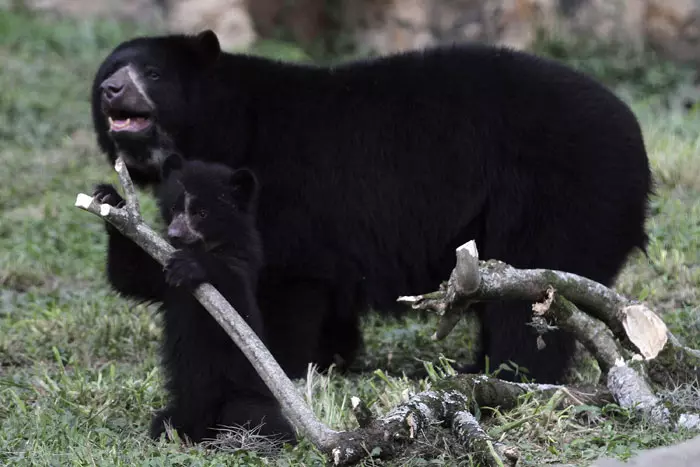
{"points": [[140, 95], [208, 204]]}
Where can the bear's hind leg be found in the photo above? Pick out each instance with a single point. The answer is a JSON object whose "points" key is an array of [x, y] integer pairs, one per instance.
{"points": [[293, 312], [506, 336]]}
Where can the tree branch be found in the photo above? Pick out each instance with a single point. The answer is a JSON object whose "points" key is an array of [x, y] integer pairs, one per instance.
{"points": [[620, 333], [628, 384]]}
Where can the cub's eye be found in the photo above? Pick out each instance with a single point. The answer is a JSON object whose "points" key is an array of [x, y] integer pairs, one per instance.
{"points": [[152, 74], [202, 213]]}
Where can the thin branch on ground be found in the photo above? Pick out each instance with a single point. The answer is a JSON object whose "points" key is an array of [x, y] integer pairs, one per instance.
{"points": [[447, 404]]}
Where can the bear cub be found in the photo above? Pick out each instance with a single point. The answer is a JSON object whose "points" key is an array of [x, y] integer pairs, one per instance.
{"points": [[211, 212]]}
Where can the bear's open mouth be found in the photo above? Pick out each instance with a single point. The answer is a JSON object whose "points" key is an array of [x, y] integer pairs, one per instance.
{"points": [[128, 122]]}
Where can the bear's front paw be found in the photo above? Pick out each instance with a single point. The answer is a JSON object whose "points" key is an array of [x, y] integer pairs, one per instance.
{"points": [[106, 194], [184, 270]]}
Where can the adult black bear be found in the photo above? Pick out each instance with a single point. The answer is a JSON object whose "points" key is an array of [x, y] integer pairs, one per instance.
{"points": [[375, 171], [211, 213]]}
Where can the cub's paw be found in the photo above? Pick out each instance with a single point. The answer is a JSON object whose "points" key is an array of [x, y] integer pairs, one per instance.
{"points": [[184, 270], [107, 194]]}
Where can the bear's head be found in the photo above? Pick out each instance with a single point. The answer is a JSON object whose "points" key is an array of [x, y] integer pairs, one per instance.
{"points": [[141, 93], [208, 204]]}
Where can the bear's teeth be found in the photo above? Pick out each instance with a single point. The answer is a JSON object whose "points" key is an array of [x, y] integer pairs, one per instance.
{"points": [[120, 124]]}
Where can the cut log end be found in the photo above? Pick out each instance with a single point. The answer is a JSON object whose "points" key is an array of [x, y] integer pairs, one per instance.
{"points": [[83, 201], [469, 247], [644, 329]]}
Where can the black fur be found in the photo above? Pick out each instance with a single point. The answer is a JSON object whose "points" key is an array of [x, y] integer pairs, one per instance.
{"points": [[210, 382], [375, 171]]}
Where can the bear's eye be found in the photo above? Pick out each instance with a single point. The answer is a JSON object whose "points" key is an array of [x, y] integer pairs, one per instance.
{"points": [[152, 74], [202, 213]]}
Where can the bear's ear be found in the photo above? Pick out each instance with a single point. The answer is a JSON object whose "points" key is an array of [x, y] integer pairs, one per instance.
{"points": [[208, 47], [244, 186], [171, 163]]}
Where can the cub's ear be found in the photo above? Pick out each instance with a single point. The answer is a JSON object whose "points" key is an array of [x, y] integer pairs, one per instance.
{"points": [[245, 186], [208, 47], [171, 164]]}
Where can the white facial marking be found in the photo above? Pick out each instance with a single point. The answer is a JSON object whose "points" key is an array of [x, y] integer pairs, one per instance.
{"points": [[140, 87], [188, 221]]}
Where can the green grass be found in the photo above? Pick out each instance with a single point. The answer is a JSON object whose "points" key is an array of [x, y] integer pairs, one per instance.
{"points": [[79, 371]]}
